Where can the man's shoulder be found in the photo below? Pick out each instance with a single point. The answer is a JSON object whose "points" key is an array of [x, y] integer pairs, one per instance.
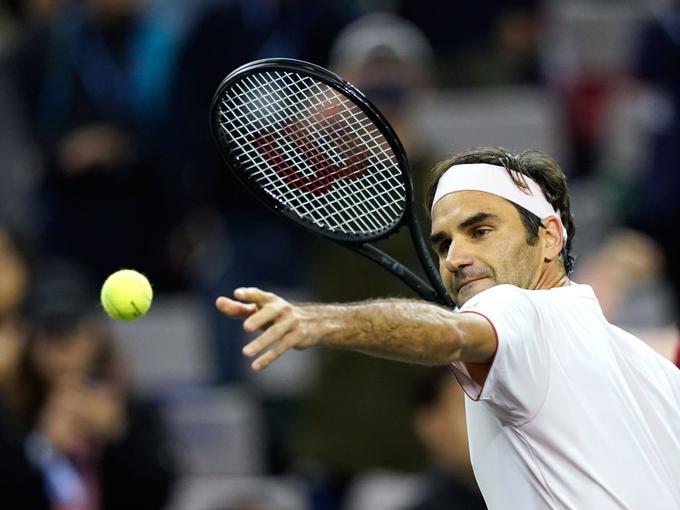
{"points": [[506, 295], [498, 292], [501, 295]]}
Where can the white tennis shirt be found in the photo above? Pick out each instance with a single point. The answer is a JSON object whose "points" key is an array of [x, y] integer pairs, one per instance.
{"points": [[575, 412]]}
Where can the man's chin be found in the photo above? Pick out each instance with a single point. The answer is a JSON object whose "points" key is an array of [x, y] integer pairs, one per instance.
{"points": [[472, 289]]}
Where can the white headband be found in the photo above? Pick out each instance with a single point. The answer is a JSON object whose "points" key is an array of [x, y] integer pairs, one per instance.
{"points": [[496, 180]]}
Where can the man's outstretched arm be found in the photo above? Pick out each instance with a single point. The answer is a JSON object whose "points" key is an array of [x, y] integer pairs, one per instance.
{"points": [[400, 329]]}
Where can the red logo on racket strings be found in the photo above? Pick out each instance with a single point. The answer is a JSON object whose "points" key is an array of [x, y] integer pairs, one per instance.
{"points": [[313, 151]]}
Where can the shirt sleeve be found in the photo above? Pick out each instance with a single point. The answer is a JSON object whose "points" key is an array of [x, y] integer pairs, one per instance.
{"points": [[518, 378]]}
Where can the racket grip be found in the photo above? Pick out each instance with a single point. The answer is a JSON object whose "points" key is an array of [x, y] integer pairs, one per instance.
{"points": [[407, 276]]}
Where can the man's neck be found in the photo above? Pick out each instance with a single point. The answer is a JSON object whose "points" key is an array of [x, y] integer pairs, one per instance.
{"points": [[552, 276]]}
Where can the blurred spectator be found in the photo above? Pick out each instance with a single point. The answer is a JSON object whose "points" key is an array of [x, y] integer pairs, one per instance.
{"points": [[15, 262], [584, 99], [492, 42], [225, 36], [71, 435], [392, 62], [228, 235], [625, 260], [19, 164], [7, 24], [20, 168], [510, 55], [656, 210], [439, 422], [644, 249], [587, 49], [15, 14], [94, 84]]}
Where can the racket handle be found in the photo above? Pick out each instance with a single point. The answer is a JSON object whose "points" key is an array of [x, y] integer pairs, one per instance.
{"points": [[403, 273], [428, 264]]}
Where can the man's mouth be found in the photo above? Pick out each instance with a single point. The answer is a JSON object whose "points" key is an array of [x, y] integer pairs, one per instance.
{"points": [[464, 283]]}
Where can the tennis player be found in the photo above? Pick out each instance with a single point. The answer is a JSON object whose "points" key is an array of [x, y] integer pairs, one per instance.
{"points": [[564, 409]]}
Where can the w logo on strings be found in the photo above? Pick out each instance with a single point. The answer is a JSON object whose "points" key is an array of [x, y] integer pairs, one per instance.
{"points": [[321, 143]]}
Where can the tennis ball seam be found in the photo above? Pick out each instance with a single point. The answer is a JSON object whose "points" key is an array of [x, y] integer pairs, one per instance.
{"points": [[109, 304], [137, 310]]}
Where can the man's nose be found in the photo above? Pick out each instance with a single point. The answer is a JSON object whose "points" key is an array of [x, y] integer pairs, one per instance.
{"points": [[458, 256]]}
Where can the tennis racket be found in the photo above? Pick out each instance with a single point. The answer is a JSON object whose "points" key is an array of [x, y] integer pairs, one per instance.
{"points": [[313, 148]]}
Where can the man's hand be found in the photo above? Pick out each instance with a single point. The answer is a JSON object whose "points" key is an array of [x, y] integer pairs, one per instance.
{"points": [[285, 325]]}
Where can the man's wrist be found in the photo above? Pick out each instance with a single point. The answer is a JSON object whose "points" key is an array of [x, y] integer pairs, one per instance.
{"points": [[332, 324]]}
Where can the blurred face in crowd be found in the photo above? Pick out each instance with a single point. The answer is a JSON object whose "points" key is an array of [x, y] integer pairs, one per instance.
{"points": [[391, 84], [481, 242], [67, 356], [13, 277]]}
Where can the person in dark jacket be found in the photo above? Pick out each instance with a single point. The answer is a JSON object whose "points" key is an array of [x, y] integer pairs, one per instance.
{"points": [[439, 423], [72, 437]]}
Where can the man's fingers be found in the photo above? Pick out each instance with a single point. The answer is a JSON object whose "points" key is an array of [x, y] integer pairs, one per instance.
{"points": [[254, 295], [262, 310], [235, 308], [273, 334], [284, 344], [262, 318]]}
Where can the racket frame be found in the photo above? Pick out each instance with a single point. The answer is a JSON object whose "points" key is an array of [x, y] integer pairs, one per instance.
{"points": [[360, 243]]}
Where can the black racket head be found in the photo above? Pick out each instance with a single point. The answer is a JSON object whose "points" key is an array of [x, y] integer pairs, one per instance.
{"points": [[311, 146]]}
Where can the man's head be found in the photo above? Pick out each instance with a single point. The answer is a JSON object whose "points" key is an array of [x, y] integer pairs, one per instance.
{"points": [[483, 240]]}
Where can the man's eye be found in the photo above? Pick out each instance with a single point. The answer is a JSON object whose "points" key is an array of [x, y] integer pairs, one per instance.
{"points": [[443, 248], [480, 232]]}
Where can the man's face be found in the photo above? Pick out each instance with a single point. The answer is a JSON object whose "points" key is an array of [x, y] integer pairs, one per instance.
{"points": [[481, 242]]}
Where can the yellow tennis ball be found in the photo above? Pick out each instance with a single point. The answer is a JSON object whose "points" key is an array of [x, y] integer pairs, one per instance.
{"points": [[126, 295]]}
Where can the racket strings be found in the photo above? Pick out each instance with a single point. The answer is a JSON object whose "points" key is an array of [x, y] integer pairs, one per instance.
{"points": [[321, 207], [314, 151], [361, 192], [289, 147]]}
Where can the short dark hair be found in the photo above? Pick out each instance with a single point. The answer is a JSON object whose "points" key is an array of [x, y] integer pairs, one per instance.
{"points": [[536, 165]]}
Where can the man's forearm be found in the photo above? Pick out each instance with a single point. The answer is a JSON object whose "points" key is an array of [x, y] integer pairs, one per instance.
{"points": [[400, 329], [405, 330]]}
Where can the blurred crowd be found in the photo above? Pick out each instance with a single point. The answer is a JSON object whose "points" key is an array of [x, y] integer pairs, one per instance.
{"points": [[107, 162]]}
